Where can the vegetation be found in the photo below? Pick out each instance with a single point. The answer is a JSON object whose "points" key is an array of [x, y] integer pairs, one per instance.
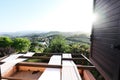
{"points": [[36, 47], [79, 48], [8, 45], [83, 38], [48, 43], [21, 44], [57, 45], [5, 42], [5, 46], [51, 42], [97, 75]]}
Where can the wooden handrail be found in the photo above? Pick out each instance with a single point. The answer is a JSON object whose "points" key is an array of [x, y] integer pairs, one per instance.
{"points": [[38, 65], [87, 59], [41, 54]]}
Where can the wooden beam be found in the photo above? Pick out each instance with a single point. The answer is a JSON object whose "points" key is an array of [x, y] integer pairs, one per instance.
{"points": [[77, 55], [87, 59], [85, 67], [74, 53], [49, 54], [38, 65], [16, 78], [3, 57], [35, 57], [1, 63], [73, 59], [87, 75], [0, 73]]}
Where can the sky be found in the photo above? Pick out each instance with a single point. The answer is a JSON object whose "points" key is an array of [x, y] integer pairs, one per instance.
{"points": [[46, 15]]}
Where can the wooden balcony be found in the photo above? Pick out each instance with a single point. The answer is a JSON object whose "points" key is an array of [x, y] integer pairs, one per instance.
{"points": [[59, 67]]}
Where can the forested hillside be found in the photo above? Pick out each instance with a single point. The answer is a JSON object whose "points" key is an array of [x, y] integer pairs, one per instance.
{"points": [[49, 42]]}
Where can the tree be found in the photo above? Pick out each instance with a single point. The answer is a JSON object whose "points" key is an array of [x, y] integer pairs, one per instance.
{"points": [[5, 42], [21, 44], [33, 46], [5, 46], [84, 48], [79, 48], [75, 48], [57, 45], [37, 47], [6, 51]]}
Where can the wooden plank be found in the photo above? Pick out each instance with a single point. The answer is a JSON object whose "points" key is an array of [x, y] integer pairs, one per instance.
{"points": [[52, 73], [23, 73], [105, 75], [10, 72], [11, 57], [87, 75], [108, 19], [111, 12], [16, 78], [107, 35], [111, 7], [30, 68], [107, 63], [105, 5], [106, 47], [107, 25], [105, 40], [98, 4], [69, 69], [12, 61], [29, 54], [103, 57], [113, 29]]}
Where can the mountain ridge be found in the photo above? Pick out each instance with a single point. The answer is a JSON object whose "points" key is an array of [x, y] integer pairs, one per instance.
{"points": [[28, 33]]}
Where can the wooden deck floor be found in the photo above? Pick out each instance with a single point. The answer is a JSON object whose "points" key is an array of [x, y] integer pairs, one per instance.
{"points": [[52, 73], [12, 61], [69, 69], [27, 75]]}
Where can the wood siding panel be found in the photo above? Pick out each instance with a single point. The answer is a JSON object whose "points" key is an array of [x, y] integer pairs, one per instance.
{"points": [[98, 4], [108, 25], [107, 6], [105, 36], [108, 19], [108, 30]]}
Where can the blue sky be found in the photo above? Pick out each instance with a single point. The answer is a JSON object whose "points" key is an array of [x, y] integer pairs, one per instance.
{"points": [[45, 15]]}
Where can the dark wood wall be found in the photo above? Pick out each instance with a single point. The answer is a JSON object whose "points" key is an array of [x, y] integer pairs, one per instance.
{"points": [[105, 38]]}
